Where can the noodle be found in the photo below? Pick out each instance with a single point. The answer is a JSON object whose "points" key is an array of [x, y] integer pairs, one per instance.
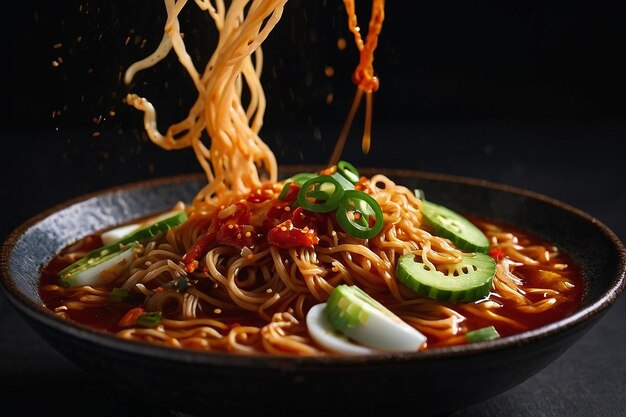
{"points": [[363, 75], [237, 159], [218, 282]]}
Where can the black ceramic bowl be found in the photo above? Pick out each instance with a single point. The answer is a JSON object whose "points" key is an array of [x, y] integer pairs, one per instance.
{"points": [[433, 382]]}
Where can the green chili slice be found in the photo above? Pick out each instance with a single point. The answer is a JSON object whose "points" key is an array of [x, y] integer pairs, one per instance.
{"points": [[320, 194], [356, 206], [151, 319], [348, 171], [345, 183], [302, 177], [284, 191]]}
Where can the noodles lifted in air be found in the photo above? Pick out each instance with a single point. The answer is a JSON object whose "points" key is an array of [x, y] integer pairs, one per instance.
{"points": [[364, 78], [253, 255], [237, 157]]}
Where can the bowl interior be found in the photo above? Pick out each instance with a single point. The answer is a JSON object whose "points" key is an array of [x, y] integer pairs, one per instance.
{"points": [[593, 246]]}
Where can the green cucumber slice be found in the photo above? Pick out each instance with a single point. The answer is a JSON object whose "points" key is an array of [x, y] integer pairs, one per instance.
{"points": [[470, 280], [451, 225], [159, 223], [99, 270], [115, 234], [359, 317]]}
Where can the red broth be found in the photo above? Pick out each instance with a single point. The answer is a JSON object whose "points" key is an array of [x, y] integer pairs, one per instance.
{"points": [[106, 317]]}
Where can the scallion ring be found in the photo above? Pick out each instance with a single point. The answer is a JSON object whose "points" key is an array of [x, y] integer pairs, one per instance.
{"points": [[118, 295], [354, 213], [151, 319], [326, 192]]}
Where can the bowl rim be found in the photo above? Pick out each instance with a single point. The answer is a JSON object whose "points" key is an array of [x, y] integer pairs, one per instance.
{"points": [[42, 315]]}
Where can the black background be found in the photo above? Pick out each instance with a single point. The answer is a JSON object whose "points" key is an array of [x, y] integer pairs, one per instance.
{"points": [[531, 94]]}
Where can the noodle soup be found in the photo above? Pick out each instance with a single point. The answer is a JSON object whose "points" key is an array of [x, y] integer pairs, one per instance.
{"points": [[251, 294], [321, 263]]}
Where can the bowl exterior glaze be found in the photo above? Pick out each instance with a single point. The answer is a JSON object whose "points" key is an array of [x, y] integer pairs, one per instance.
{"points": [[439, 381]]}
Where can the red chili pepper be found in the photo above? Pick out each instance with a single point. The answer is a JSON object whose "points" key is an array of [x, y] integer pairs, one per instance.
{"points": [[286, 236], [497, 253], [302, 218], [197, 250], [292, 194], [128, 320], [237, 235], [237, 213], [299, 218], [277, 214], [260, 195]]}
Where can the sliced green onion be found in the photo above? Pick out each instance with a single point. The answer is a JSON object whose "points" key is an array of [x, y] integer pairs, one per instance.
{"points": [[348, 171], [327, 200], [151, 319], [118, 294], [284, 191], [419, 193], [354, 206], [482, 335], [182, 284]]}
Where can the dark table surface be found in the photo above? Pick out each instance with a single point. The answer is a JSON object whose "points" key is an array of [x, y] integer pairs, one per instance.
{"points": [[580, 163]]}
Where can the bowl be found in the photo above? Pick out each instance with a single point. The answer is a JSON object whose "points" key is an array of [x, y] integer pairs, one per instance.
{"points": [[439, 381]]}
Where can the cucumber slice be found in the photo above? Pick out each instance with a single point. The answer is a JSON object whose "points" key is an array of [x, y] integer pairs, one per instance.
{"points": [[360, 317], [156, 225], [451, 225], [99, 270], [159, 223], [470, 280], [323, 332], [482, 335], [117, 233]]}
